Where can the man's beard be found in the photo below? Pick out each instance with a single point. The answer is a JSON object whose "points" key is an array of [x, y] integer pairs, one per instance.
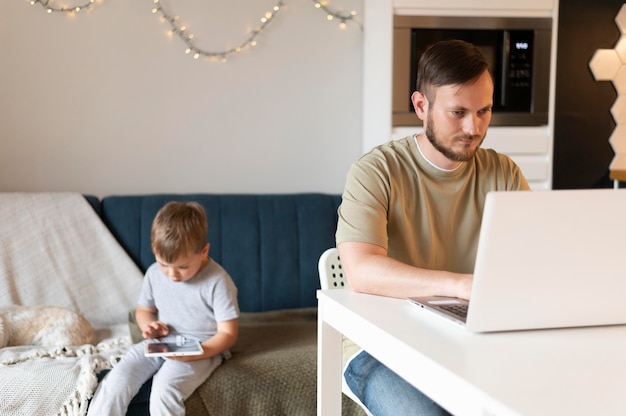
{"points": [[461, 156]]}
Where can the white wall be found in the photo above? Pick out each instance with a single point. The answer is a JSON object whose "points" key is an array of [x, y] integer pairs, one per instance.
{"points": [[106, 103]]}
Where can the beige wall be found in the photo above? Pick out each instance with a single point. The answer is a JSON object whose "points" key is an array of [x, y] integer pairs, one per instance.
{"points": [[106, 103]]}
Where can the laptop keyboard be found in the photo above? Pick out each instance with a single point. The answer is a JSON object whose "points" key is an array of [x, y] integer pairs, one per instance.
{"points": [[459, 310]]}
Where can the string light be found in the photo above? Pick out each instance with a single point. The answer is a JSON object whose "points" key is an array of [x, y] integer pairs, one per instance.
{"points": [[332, 15], [197, 52], [181, 30], [64, 9]]}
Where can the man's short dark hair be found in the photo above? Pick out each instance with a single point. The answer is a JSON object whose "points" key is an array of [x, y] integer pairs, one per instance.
{"points": [[449, 62]]}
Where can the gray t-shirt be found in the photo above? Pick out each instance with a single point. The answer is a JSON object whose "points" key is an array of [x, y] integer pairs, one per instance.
{"points": [[192, 308]]}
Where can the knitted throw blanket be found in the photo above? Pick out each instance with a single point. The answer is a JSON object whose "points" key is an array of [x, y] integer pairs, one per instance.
{"points": [[54, 380], [55, 250]]}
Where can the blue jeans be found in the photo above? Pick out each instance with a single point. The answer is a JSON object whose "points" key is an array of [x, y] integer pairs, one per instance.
{"points": [[383, 392]]}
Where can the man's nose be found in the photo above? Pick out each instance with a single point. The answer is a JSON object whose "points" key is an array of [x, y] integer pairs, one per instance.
{"points": [[473, 125]]}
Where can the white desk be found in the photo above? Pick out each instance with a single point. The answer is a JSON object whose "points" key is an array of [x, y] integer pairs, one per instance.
{"points": [[548, 372]]}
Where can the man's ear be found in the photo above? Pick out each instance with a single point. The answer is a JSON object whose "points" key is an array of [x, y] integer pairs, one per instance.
{"points": [[420, 103]]}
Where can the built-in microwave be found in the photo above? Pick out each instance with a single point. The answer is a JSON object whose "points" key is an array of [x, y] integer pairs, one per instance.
{"points": [[517, 49]]}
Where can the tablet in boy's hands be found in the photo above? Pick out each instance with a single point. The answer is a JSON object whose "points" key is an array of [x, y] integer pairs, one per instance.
{"points": [[173, 348]]}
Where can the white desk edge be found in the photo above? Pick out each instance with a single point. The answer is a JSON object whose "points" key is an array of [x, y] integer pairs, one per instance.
{"points": [[449, 360]]}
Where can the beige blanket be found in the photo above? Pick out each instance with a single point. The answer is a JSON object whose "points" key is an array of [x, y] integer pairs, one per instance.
{"points": [[55, 250], [51, 380]]}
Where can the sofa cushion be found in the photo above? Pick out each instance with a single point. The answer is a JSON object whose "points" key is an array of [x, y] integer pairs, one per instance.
{"points": [[270, 244], [273, 371]]}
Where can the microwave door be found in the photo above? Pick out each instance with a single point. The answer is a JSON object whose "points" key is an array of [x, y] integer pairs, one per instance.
{"points": [[504, 68]]}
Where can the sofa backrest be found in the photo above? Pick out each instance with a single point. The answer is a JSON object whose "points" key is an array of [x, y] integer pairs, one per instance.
{"points": [[270, 244]]}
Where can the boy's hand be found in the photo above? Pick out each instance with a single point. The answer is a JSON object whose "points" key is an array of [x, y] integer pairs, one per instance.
{"points": [[225, 338], [155, 329]]}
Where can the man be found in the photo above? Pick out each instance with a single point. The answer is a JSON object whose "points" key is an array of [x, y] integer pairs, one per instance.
{"points": [[411, 210]]}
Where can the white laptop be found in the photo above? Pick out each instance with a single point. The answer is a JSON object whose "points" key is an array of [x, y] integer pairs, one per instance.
{"points": [[546, 259]]}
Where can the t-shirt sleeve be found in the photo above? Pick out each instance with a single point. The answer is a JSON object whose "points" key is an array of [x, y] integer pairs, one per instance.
{"points": [[146, 296], [362, 215], [225, 305]]}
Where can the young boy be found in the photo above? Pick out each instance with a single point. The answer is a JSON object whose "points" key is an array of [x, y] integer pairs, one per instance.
{"points": [[193, 297]]}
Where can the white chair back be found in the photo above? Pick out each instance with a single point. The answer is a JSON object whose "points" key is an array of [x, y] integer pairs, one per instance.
{"points": [[330, 270], [332, 277]]}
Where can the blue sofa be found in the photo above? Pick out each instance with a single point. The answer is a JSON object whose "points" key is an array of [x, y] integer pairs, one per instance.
{"points": [[270, 245]]}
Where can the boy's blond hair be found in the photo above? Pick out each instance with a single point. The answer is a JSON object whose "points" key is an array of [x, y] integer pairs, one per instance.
{"points": [[179, 229]]}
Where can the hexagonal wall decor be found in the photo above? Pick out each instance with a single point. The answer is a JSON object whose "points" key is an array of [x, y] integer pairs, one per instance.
{"points": [[618, 110], [616, 139], [605, 64], [619, 80], [610, 65]]}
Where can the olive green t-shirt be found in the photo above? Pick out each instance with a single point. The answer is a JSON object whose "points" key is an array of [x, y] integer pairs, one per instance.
{"points": [[423, 216]]}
